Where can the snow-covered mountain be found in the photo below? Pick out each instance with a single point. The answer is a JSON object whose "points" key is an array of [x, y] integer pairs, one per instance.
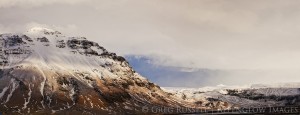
{"points": [[248, 96], [43, 71]]}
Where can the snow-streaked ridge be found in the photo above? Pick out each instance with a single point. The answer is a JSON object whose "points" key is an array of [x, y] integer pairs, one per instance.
{"points": [[241, 96], [53, 72]]}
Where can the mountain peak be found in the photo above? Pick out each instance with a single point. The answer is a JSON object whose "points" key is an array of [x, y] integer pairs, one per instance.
{"points": [[45, 72], [43, 30], [37, 28]]}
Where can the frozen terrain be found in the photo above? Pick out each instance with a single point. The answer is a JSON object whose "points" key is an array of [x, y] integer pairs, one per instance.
{"points": [[229, 97]]}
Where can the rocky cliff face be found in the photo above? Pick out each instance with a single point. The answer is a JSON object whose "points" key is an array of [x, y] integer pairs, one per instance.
{"points": [[43, 72]]}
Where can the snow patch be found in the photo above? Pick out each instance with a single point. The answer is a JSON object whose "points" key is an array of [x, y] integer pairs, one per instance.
{"points": [[42, 87], [29, 97], [3, 92], [14, 86]]}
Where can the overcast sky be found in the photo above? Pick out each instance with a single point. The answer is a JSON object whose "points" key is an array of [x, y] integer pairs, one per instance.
{"points": [[231, 35]]}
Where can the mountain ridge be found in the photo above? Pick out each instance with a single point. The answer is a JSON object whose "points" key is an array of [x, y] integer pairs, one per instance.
{"points": [[45, 72]]}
